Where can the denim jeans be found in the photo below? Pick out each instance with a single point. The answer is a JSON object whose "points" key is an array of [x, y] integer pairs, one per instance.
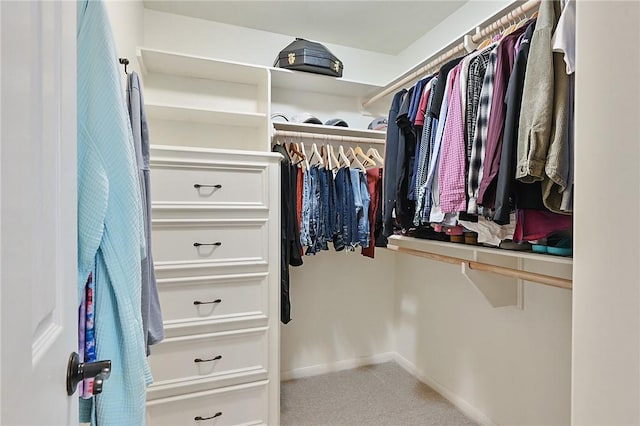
{"points": [[313, 211], [305, 238], [323, 213], [355, 206], [340, 201], [364, 231]]}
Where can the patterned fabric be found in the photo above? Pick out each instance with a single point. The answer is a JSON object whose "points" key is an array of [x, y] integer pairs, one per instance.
{"points": [[424, 153], [477, 70], [305, 237], [480, 137], [432, 194], [453, 161], [464, 81], [426, 208], [90, 338]]}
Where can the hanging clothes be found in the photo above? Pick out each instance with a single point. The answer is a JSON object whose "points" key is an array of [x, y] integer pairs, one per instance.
{"points": [[111, 240], [506, 184], [290, 247], [152, 325], [505, 57], [390, 178], [374, 183]]}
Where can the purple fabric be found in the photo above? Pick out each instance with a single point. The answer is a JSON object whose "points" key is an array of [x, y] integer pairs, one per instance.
{"points": [[493, 149], [536, 224], [82, 323]]}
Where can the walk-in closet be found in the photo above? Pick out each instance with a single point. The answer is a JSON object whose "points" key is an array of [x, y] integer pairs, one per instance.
{"points": [[434, 236]]}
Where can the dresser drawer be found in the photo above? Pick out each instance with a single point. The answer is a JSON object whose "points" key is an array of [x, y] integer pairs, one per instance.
{"points": [[237, 405], [220, 296], [213, 240], [219, 184], [209, 356]]}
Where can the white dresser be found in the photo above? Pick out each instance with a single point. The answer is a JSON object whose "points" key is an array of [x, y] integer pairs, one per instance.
{"points": [[216, 245]]}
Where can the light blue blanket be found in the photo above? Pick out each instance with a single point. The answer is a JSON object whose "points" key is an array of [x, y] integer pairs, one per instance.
{"points": [[110, 221]]}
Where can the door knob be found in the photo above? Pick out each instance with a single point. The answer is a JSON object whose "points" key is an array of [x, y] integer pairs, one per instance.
{"points": [[77, 371]]}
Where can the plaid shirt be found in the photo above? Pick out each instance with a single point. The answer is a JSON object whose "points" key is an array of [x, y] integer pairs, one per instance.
{"points": [[452, 164], [424, 155], [476, 161], [477, 70]]}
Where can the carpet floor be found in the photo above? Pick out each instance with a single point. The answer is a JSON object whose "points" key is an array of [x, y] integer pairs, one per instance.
{"points": [[382, 394]]}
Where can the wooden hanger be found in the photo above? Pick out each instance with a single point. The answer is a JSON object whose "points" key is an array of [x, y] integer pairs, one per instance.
{"points": [[486, 42], [334, 160], [315, 154], [325, 157], [366, 160], [297, 154], [343, 157], [373, 153], [305, 164], [354, 160]]}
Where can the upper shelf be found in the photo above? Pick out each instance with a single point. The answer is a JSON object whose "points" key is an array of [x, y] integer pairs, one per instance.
{"points": [[173, 63], [200, 115], [468, 250], [164, 62], [330, 130], [316, 83]]}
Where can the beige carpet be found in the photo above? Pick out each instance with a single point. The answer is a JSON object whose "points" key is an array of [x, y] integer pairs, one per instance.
{"points": [[382, 394]]}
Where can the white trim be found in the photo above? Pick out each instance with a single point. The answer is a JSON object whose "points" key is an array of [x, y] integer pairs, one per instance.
{"points": [[460, 403], [346, 364]]}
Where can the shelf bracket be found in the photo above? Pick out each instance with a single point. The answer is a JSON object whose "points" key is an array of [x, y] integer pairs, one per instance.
{"points": [[499, 291]]}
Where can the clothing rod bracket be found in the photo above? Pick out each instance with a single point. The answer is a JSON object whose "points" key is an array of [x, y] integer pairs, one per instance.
{"points": [[499, 291]]}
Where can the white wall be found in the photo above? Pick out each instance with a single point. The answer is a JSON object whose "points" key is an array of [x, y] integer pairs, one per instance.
{"points": [[126, 17], [510, 365], [606, 316], [342, 310], [462, 21], [217, 40]]}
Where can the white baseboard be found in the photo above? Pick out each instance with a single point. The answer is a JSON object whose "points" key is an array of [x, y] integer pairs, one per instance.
{"points": [[347, 364], [469, 410]]}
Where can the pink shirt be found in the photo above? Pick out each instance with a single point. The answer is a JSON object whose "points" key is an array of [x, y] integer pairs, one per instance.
{"points": [[453, 157]]}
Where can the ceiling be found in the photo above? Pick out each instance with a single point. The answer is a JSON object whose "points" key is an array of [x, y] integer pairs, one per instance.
{"points": [[380, 26]]}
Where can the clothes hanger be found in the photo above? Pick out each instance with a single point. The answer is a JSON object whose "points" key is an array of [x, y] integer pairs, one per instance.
{"points": [[300, 157], [511, 28], [334, 159], [343, 157], [373, 153], [355, 161], [365, 160], [315, 154], [325, 157], [305, 164]]}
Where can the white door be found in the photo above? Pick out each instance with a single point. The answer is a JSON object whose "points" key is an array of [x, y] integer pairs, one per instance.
{"points": [[38, 292]]}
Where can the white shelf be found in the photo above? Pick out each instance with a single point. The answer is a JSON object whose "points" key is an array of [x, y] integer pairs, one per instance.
{"points": [[308, 82], [330, 130], [210, 116], [437, 247], [172, 63]]}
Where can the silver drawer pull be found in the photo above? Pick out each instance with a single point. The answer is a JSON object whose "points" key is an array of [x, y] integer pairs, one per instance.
{"points": [[217, 243], [197, 302], [208, 360], [198, 186], [198, 418]]}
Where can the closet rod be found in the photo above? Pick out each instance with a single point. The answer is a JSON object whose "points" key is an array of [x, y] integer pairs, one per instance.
{"points": [[326, 137], [479, 266], [435, 64]]}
